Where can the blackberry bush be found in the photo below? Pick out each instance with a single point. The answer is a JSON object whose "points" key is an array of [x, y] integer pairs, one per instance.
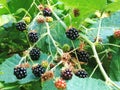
{"points": [[99, 29]]}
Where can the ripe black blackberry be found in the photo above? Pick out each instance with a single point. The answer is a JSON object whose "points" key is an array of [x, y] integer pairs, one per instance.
{"points": [[20, 72], [81, 74], [35, 53], [66, 74], [47, 12], [72, 33], [21, 26], [33, 37], [83, 56], [38, 70]]}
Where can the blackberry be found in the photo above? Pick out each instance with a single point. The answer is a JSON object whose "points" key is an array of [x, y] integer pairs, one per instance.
{"points": [[21, 26], [20, 72], [35, 53], [66, 74], [33, 37], [81, 74], [72, 33], [83, 56], [38, 70], [47, 12]]}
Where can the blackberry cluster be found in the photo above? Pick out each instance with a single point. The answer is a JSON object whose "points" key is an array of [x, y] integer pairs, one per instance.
{"points": [[81, 74], [21, 26], [33, 37], [35, 53], [47, 12], [83, 56], [20, 72], [72, 33], [66, 74], [38, 70]]}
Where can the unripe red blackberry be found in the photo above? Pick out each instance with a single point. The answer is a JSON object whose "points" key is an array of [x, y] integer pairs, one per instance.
{"points": [[60, 84], [66, 74], [72, 33], [40, 19], [83, 56], [35, 53], [117, 34], [33, 36], [20, 72], [81, 73], [21, 26], [38, 70], [47, 12]]}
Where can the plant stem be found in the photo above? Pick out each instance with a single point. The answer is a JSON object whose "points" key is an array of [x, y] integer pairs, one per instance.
{"points": [[56, 66], [76, 56], [96, 67], [54, 42], [99, 28], [108, 80]]}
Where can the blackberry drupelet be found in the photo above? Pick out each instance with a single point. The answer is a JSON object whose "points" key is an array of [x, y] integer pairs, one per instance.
{"points": [[33, 37], [35, 53], [72, 33], [38, 70], [20, 72], [21, 26], [81, 74], [47, 12], [66, 74], [83, 56]]}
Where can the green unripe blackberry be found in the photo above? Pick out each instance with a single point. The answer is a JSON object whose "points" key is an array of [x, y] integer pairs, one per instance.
{"points": [[66, 48]]}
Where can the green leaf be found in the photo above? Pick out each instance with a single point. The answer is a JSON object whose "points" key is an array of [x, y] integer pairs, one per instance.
{"points": [[115, 67], [115, 6], [86, 84], [3, 7], [49, 85], [7, 20], [86, 8], [6, 70], [108, 26]]}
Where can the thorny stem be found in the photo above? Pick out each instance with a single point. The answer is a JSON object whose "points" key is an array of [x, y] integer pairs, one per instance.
{"points": [[54, 43], [56, 66], [76, 56], [108, 80], [96, 67], [22, 59], [99, 28]]}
